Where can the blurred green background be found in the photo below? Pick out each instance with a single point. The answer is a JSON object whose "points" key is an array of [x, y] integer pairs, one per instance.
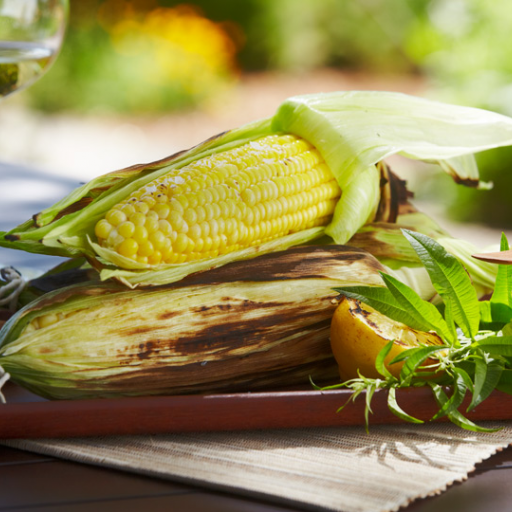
{"points": [[134, 57]]}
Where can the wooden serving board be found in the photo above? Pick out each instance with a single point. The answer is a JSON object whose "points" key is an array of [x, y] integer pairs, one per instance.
{"points": [[28, 416]]}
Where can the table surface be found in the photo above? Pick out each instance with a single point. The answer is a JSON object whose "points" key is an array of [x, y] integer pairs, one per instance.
{"points": [[41, 483]]}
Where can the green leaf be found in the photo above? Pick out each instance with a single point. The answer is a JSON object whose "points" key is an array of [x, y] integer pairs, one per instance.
{"points": [[461, 372], [380, 299], [426, 315], [495, 345], [414, 357], [397, 410], [485, 312], [379, 361], [503, 288], [505, 383], [454, 402], [451, 281], [494, 315], [368, 409], [507, 330], [448, 317], [498, 311], [487, 377], [456, 417]]}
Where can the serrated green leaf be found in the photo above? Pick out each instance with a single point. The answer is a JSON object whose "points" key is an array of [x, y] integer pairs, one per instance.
{"points": [[494, 315], [456, 417], [454, 402], [496, 345], [487, 377], [465, 377], [380, 299], [413, 359], [450, 322], [426, 315], [397, 410], [450, 280], [485, 312]]}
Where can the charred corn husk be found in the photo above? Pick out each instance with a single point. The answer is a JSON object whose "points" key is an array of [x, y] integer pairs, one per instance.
{"points": [[309, 170], [240, 327]]}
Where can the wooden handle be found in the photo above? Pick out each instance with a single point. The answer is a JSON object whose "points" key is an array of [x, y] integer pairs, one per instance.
{"points": [[503, 257]]}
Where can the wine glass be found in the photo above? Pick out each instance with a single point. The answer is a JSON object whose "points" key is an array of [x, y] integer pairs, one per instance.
{"points": [[31, 33]]}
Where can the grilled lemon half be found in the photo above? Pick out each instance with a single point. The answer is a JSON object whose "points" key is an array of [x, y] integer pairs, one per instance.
{"points": [[359, 333]]}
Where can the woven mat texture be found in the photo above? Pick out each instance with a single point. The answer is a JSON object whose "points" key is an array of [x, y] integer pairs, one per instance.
{"points": [[335, 469]]}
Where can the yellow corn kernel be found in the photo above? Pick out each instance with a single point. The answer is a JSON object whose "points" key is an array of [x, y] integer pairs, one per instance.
{"points": [[235, 199], [47, 320], [128, 248], [137, 219], [103, 228], [152, 224], [115, 217], [126, 229], [155, 258], [140, 234], [162, 210], [146, 249]]}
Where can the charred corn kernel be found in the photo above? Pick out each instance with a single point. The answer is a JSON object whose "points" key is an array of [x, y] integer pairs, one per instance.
{"points": [[242, 197]]}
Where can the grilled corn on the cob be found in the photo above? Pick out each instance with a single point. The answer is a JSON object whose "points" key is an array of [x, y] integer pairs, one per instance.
{"points": [[243, 197], [244, 326], [241, 194]]}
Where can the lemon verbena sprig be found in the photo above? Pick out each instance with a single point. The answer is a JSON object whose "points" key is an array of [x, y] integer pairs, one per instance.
{"points": [[476, 354]]}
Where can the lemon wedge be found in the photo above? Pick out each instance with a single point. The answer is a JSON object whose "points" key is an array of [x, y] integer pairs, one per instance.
{"points": [[359, 333]]}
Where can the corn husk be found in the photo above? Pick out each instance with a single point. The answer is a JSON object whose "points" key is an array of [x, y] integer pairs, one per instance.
{"points": [[353, 131], [263, 324]]}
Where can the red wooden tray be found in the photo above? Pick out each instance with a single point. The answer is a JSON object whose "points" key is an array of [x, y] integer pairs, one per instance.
{"points": [[28, 416]]}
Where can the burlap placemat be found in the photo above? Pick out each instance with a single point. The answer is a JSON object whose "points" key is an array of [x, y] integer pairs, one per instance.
{"points": [[338, 469]]}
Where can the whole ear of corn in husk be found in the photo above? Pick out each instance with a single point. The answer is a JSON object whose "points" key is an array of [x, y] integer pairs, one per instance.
{"points": [[351, 131], [248, 325]]}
